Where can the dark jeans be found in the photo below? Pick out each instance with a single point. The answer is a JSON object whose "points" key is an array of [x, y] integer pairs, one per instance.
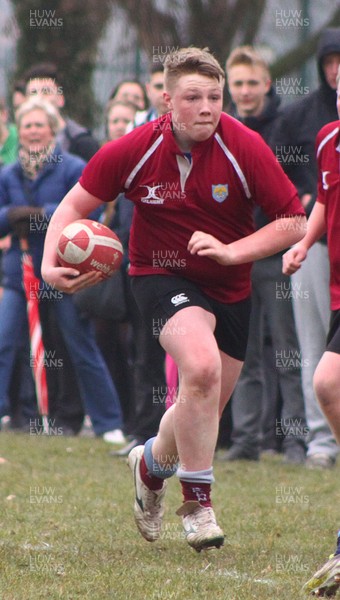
{"points": [[149, 382], [270, 300]]}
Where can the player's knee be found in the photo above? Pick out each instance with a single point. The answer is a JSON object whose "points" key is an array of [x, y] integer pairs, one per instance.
{"points": [[204, 375], [324, 388]]}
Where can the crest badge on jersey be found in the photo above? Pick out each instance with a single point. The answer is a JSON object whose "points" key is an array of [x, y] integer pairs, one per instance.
{"points": [[220, 192]]}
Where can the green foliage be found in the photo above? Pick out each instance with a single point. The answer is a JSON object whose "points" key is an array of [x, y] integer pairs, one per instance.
{"points": [[67, 529]]}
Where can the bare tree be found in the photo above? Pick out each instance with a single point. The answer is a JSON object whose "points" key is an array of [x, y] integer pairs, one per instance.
{"points": [[218, 24], [68, 35], [297, 56]]}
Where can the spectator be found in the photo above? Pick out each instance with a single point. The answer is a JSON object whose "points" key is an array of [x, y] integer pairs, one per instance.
{"points": [[43, 80], [149, 382], [295, 136], [8, 155], [255, 104], [8, 137], [30, 190], [132, 91], [155, 93], [120, 114], [115, 338], [18, 94]]}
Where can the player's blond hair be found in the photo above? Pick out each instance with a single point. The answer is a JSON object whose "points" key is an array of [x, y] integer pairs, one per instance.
{"points": [[246, 55], [191, 60]]}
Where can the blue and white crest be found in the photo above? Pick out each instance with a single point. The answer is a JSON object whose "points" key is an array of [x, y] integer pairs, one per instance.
{"points": [[220, 191]]}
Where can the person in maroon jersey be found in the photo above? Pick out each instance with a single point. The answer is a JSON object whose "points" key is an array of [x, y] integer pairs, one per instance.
{"points": [[194, 175], [325, 218]]}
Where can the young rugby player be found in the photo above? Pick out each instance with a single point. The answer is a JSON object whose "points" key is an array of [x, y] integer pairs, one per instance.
{"points": [[325, 217], [194, 176]]}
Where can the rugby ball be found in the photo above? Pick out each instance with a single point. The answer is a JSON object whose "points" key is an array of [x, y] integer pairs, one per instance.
{"points": [[90, 246]]}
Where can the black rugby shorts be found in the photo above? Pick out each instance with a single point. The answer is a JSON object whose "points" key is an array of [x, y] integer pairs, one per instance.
{"points": [[160, 297], [333, 337]]}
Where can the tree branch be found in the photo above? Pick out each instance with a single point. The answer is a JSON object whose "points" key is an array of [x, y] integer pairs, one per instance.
{"points": [[153, 27], [297, 57], [253, 21]]}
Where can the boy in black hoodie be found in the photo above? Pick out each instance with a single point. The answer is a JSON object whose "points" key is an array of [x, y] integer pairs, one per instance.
{"points": [[294, 137], [300, 121]]}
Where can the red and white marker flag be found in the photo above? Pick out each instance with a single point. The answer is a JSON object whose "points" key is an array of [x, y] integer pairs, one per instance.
{"points": [[31, 287]]}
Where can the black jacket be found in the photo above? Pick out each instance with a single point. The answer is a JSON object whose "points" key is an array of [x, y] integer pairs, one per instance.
{"points": [[78, 140], [296, 129], [264, 123], [264, 126]]}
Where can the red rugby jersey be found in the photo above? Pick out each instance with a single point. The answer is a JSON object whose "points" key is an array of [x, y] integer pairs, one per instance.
{"points": [[174, 196], [328, 157]]}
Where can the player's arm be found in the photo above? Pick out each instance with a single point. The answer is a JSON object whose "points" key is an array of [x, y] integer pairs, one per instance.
{"points": [[77, 204], [266, 241], [316, 227]]}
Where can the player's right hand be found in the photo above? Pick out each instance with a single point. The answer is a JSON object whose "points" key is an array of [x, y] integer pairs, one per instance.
{"points": [[69, 280], [292, 259]]}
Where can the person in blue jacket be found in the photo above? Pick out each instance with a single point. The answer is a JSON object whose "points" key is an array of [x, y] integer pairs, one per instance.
{"points": [[30, 191]]}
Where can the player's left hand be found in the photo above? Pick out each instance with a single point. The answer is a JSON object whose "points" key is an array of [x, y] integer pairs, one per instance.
{"points": [[207, 245], [69, 280]]}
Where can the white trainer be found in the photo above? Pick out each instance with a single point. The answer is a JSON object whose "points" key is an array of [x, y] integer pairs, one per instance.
{"points": [[149, 504], [200, 527], [114, 437]]}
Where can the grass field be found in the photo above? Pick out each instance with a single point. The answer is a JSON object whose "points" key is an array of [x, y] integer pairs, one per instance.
{"points": [[67, 530]]}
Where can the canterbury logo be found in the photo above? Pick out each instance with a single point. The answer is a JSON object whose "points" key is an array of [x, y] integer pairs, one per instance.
{"points": [[179, 299]]}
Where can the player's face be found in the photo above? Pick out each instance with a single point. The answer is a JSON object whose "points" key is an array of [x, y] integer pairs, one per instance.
{"points": [[248, 86], [196, 104], [118, 119], [330, 65], [35, 133], [46, 89], [155, 92]]}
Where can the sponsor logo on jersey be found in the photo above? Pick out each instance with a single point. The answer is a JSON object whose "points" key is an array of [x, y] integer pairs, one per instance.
{"points": [[220, 192], [179, 299], [152, 197]]}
